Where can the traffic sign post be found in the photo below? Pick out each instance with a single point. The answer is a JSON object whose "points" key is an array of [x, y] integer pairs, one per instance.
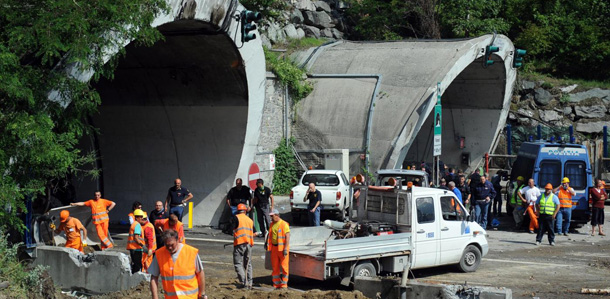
{"points": [[438, 125], [254, 174]]}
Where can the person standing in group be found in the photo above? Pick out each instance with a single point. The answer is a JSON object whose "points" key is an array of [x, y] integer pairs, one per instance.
{"points": [[99, 212], [597, 198], [278, 243], [135, 242], [313, 207], [136, 205], [180, 269], [530, 195], [76, 234], [565, 193], [548, 207], [474, 178], [171, 223], [482, 193], [177, 196], [239, 194], [158, 214], [456, 191], [515, 205], [497, 200], [465, 190], [263, 202], [150, 241], [243, 240]]}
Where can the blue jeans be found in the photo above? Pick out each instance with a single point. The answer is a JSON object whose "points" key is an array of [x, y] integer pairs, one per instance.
{"points": [[177, 210], [480, 210], [314, 218], [564, 216]]}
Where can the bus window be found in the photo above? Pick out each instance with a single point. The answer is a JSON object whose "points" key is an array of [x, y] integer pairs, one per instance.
{"points": [[550, 172], [576, 171]]}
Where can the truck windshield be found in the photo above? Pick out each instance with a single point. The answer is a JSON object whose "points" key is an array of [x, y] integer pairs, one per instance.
{"points": [[383, 179], [550, 172], [576, 171], [321, 179]]}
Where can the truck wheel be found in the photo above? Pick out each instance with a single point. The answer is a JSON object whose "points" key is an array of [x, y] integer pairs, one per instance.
{"points": [[364, 269], [471, 258]]}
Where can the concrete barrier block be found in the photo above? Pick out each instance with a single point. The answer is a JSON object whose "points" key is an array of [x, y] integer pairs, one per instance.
{"points": [[98, 272]]}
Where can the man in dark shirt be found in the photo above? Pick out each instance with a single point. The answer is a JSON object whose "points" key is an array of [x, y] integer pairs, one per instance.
{"points": [[451, 176], [482, 193], [465, 190], [177, 196], [157, 214], [475, 178], [315, 197], [239, 194], [263, 202]]}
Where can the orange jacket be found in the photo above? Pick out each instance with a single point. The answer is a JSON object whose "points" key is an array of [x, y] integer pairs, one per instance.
{"points": [[179, 278], [151, 244], [134, 241], [179, 228], [72, 229], [244, 233], [565, 198], [282, 229], [99, 209]]}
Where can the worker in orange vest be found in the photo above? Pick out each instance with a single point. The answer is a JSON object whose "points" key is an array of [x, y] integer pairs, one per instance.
{"points": [[136, 242], [99, 211], [564, 216], [180, 269], [243, 240], [278, 243], [150, 241], [76, 234], [171, 223]]}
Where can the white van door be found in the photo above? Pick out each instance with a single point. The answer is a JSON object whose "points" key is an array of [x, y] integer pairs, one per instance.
{"points": [[427, 233], [455, 230]]}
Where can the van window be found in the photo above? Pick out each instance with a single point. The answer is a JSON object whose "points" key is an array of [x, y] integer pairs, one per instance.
{"points": [[576, 171], [345, 181], [451, 209], [417, 180], [321, 179], [425, 210], [550, 172]]}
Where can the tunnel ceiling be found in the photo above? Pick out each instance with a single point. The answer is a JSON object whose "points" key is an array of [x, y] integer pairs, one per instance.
{"points": [[192, 60]]}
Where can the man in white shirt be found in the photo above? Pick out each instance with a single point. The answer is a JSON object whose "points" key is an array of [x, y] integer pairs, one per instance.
{"points": [[530, 195]]}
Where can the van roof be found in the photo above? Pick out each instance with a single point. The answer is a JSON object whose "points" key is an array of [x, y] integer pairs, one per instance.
{"points": [[401, 171]]}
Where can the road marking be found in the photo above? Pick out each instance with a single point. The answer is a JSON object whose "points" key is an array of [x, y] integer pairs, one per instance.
{"points": [[217, 263], [526, 263]]}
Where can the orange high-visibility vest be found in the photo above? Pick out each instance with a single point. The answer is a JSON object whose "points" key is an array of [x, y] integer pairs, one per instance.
{"points": [[154, 239], [179, 228], [179, 278], [244, 233], [99, 211], [133, 239], [281, 236], [565, 198]]}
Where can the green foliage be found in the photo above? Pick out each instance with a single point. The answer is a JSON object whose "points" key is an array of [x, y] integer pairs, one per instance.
{"points": [[565, 99], [24, 282], [292, 45], [285, 176], [289, 74], [43, 110], [271, 9], [546, 85], [464, 18]]}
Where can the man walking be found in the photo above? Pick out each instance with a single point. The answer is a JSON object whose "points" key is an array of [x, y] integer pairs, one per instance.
{"points": [[482, 193], [177, 196], [548, 206], [278, 243], [239, 194], [564, 193], [313, 207], [99, 212], [150, 241], [180, 269], [263, 202], [529, 195], [243, 240], [76, 234], [135, 242], [171, 223]]}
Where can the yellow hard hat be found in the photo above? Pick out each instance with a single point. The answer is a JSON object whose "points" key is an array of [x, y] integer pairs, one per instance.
{"points": [[138, 212], [565, 180], [520, 178]]}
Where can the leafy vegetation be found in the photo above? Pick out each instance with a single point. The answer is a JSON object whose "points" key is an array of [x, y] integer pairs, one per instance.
{"points": [[43, 110], [24, 282], [285, 175], [289, 74], [271, 9]]}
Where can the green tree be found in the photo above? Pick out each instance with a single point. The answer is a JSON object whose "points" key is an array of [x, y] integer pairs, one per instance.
{"points": [[470, 18], [43, 110]]}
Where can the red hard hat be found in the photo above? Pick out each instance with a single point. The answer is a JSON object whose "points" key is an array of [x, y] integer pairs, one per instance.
{"points": [[242, 207]]}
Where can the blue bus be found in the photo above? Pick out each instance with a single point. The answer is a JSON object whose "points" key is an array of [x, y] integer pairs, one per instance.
{"points": [[550, 162]]}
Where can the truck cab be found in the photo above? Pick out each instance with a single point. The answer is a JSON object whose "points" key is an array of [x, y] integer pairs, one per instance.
{"points": [[550, 162]]}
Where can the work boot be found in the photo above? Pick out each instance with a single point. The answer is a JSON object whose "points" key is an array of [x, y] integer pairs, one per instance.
{"points": [[565, 234], [552, 243]]}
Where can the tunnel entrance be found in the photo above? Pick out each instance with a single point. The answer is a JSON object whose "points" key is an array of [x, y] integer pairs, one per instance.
{"points": [[471, 112], [176, 109]]}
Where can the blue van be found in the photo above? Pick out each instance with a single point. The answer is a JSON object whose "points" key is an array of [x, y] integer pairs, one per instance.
{"points": [[550, 162]]}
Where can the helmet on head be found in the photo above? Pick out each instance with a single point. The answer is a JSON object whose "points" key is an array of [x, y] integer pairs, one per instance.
{"points": [[138, 213], [565, 180], [242, 207], [520, 178], [353, 180], [63, 216], [548, 186], [145, 216]]}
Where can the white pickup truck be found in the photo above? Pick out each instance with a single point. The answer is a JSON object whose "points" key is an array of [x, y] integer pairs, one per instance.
{"points": [[334, 187], [397, 230]]}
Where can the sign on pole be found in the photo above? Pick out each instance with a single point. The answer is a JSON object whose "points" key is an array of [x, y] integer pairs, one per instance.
{"points": [[438, 122], [271, 161], [253, 175]]}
